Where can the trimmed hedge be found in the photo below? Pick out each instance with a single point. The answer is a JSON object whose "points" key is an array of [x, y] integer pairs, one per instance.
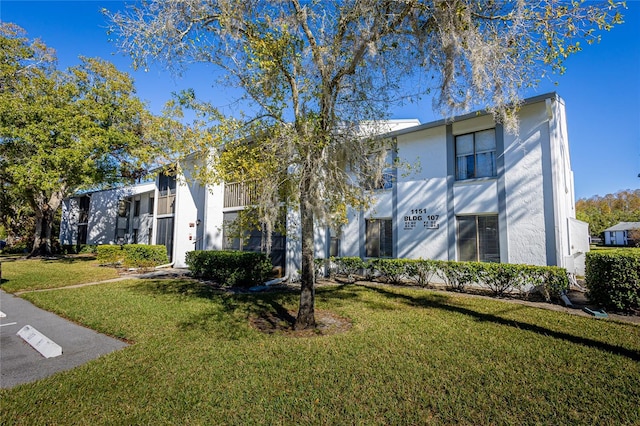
{"points": [[499, 278], [391, 270], [230, 268], [421, 271], [613, 279], [132, 255], [347, 266]]}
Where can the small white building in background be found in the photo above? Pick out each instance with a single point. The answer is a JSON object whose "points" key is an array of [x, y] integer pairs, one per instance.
{"points": [[474, 192], [618, 235]]}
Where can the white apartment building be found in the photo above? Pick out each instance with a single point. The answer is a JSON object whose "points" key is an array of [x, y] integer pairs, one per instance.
{"points": [[474, 192]]}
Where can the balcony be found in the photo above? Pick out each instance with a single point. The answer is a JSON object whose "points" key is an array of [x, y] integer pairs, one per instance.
{"points": [[239, 194], [166, 203]]}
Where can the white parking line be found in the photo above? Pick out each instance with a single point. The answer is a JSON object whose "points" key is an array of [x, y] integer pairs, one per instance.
{"points": [[9, 323]]}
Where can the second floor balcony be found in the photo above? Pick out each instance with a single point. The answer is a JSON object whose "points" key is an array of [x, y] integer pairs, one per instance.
{"points": [[240, 194]]}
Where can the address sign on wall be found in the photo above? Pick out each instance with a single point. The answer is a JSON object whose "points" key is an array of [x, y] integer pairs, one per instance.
{"points": [[420, 219]]}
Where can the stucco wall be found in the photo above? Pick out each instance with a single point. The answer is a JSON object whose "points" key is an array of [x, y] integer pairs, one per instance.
{"points": [[524, 187], [422, 195], [69, 221], [187, 231]]}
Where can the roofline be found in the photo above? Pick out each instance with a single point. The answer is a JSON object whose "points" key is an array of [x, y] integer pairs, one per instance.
{"points": [[112, 188], [480, 113], [621, 226]]}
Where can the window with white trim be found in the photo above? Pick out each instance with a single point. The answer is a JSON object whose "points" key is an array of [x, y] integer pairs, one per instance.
{"points": [[476, 155]]}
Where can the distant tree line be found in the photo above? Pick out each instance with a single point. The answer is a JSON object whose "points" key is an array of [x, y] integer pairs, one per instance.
{"points": [[604, 212]]}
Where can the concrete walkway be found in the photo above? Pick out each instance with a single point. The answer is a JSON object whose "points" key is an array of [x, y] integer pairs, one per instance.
{"points": [[21, 363]]}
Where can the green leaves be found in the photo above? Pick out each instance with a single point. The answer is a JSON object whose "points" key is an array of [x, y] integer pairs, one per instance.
{"points": [[64, 131]]}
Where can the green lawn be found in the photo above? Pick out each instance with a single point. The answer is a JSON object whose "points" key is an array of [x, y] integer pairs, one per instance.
{"points": [[36, 274], [412, 356]]}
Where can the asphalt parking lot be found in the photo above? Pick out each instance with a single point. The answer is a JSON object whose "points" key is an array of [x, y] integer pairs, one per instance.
{"points": [[21, 363]]}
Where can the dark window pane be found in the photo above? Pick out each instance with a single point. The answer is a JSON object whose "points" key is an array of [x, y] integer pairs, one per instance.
{"points": [[372, 244], [467, 243], [488, 239], [379, 238], [386, 238]]}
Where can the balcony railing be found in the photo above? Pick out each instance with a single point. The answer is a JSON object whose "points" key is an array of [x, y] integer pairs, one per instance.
{"points": [[166, 204], [239, 194]]}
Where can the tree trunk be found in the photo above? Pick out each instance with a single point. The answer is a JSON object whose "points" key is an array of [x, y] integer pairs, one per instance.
{"points": [[45, 214], [306, 313], [42, 237]]}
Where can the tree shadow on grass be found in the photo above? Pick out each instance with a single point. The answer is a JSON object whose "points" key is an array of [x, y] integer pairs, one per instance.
{"points": [[269, 312], [69, 259], [428, 301]]}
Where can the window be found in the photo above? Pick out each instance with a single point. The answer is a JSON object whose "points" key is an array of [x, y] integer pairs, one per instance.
{"points": [[167, 194], [136, 208], [122, 227], [379, 238], [151, 202], [83, 219], [123, 208], [82, 234], [334, 243], [83, 207], [476, 155], [478, 239], [385, 181], [166, 184], [230, 234]]}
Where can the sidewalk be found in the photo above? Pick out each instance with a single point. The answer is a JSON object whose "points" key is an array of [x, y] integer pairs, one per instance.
{"points": [[20, 363]]}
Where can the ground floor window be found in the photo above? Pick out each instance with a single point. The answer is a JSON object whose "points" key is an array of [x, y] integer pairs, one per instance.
{"points": [[82, 234], [239, 232], [478, 238], [379, 238], [164, 234]]}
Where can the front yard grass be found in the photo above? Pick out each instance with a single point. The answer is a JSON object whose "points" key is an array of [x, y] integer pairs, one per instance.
{"points": [[36, 274], [412, 356]]}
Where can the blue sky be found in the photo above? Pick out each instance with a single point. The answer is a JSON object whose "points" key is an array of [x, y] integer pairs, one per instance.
{"points": [[601, 87]]}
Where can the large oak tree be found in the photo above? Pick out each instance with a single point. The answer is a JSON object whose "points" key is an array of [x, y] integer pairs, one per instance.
{"points": [[317, 76], [64, 131]]}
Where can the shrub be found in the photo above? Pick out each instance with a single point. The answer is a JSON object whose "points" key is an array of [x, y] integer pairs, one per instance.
{"points": [[18, 248], [348, 266], [391, 270], [501, 277], [144, 255], [421, 270], [613, 279], [457, 275], [230, 268], [550, 281], [321, 267], [132, 255], [110, 254]]}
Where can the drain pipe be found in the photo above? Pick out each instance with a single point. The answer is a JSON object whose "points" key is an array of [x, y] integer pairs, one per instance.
{"points": [[168, 265]]}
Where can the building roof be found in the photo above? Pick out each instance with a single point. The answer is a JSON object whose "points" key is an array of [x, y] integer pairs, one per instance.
{"points": [[623, 226], [437, 123]]}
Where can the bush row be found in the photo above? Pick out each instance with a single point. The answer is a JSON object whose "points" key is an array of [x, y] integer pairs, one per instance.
{"points": [[132, 255], [613, 279], [500, 278], [230, 268]]}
